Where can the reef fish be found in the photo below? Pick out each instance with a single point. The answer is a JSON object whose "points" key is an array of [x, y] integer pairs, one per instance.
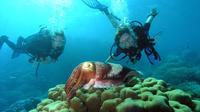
{"points": [[98, 75]]}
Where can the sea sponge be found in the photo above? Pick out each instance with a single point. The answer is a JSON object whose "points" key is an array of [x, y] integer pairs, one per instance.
{"points": [[110, 105], [179, 107], [57, 93], [180, 96], [130, 105]]}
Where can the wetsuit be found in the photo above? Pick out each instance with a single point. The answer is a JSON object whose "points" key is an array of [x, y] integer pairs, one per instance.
{"points": [[143, 43]]}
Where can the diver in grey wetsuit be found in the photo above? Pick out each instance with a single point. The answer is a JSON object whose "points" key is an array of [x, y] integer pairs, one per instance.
{"points": [[40, 46]]}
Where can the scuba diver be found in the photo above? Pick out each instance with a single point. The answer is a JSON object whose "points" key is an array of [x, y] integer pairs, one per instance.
{"points": [[132, 37], [43, 46]]}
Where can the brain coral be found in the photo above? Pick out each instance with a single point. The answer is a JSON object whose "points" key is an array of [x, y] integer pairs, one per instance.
{"points": [[149, 95]]}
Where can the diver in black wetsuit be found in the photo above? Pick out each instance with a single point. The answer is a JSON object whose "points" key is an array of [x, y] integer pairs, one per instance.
{"points": [[131, 38], [42, 46]]}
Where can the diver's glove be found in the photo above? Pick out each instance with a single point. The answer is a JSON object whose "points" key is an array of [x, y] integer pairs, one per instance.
{"points": [[151, 42], [152, 15], [154, 12], [152, 54], [150, 51]]}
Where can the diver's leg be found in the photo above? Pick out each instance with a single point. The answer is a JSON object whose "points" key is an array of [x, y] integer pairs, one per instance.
{"points": [[10, 43], [19, 48], [2, 40], [95, 4], [20, 42]]}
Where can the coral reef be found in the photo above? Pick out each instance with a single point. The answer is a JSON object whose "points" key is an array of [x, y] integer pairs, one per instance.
{"points": [[23, 105], [148, 95], [182, 71]]}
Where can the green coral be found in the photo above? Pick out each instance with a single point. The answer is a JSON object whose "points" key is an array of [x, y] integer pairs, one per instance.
{"points": [[149, 95]]}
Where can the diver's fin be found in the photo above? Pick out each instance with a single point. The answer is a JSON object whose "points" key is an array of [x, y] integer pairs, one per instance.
{"points": [[1, 43], [2, 40], [36, 70], [152, 56], [15, 54], [95, 4], [18, 48]]}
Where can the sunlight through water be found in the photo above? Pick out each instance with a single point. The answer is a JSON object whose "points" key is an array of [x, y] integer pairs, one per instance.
{"points": [[57, 20]]}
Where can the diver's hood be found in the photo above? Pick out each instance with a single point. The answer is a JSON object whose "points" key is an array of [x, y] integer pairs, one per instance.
{"points": [[58, 40], [125, 37]]}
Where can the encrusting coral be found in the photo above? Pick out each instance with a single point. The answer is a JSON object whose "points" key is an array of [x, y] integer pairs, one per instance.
{"points": [[107, 87], [149, 95], [181, 70]]}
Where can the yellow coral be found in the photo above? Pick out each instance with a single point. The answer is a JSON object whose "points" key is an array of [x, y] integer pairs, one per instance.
{"points": [[57, 93], [150, 95]]}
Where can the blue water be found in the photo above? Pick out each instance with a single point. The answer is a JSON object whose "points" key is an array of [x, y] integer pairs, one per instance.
{"points": [[89, 37]]}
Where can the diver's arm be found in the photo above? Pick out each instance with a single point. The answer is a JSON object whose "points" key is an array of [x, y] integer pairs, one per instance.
{"points": [[151, 16], [115, 54], [112, 18], [149, 20], [109, 59]]}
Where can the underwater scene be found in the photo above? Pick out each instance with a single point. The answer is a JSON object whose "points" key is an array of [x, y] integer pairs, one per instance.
{"points": [[99, 56]]}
